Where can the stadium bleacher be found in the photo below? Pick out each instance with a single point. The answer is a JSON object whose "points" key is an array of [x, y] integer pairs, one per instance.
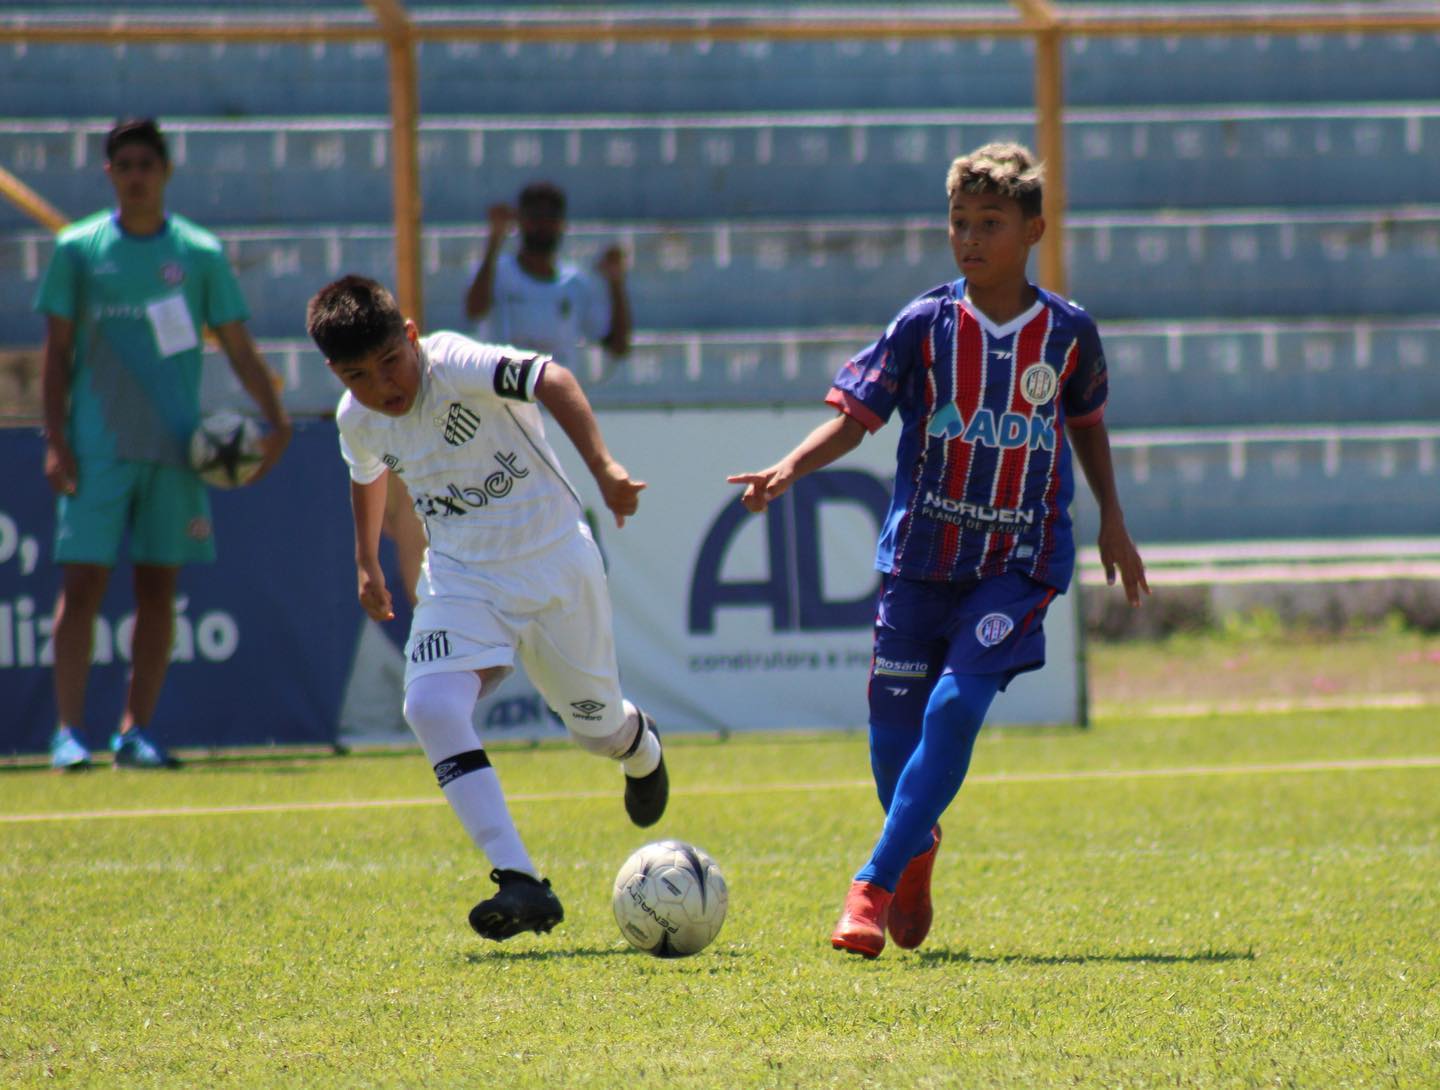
{"points": [[456, 78], [761, 164], [813, 272], [1254, 220]]}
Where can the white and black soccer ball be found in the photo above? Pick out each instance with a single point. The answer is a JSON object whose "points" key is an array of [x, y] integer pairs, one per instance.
{"points": [[225, 449], [670, 899]]}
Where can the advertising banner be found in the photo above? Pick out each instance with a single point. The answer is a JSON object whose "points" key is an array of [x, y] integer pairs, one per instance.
{"points": [[723, 620], [730, 621], [264, 637]]}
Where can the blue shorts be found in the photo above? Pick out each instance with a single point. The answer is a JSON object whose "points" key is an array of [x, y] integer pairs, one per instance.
{"points": [[165, 508], [923, 630]]}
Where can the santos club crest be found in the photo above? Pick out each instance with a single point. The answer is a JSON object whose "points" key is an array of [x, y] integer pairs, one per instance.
{"points": [[459, 424]]}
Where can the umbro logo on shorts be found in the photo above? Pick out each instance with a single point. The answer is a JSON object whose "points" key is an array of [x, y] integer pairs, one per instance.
{"points": [[431, 646], [460, 424], [587, 709]]}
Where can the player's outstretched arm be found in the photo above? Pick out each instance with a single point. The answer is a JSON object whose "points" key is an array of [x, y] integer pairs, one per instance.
{"points": [[367, 503], [560, 393], [1117, 551], [831, 440], [259, 382]]}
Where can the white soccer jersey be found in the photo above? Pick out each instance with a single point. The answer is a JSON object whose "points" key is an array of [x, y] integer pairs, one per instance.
{"points": [[472, 454]]}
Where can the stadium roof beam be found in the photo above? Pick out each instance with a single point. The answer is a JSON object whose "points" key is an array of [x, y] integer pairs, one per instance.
{"points": [[721, 24]]}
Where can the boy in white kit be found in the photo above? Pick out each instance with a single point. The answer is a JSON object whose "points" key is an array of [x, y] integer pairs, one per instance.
{"points": [[511, 566]]}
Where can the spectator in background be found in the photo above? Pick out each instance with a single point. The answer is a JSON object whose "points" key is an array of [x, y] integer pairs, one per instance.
{"points": [[530, 299], [125, 298]]}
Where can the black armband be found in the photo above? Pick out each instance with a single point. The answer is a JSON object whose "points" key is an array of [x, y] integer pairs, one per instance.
{"points": [[515, 378]]}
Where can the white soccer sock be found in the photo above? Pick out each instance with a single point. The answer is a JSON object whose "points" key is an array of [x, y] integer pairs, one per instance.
{"points": [[479, 803], [438, 708], [646, 757]]}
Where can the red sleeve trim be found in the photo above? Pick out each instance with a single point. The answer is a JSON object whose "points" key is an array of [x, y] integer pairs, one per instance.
{"points": [[1089, 420], [853, 407]]}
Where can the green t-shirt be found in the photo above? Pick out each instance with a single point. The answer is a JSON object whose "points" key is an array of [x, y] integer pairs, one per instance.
{"points": [[139, 304]]}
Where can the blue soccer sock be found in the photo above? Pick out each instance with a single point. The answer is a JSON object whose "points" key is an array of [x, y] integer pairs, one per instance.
{"points": [[891, 745], [934, 773]]}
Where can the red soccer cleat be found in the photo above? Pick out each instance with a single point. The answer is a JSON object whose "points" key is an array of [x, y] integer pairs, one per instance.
{"points": [[861, 929], [911, 911]]}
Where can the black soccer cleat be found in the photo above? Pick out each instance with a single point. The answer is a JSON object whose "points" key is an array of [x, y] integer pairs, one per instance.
{"points": [[646, 796], [520, 904]]}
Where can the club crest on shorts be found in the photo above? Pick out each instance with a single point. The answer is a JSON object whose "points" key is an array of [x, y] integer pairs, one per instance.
{"points": [[429, 646], [459, 424], [993, 628]]}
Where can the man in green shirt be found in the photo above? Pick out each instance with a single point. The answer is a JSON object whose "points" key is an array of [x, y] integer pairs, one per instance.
{"points": [[126, 297]]}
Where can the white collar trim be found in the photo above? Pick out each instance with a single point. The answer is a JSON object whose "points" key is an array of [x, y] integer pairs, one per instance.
{"points": [[986, 323]]}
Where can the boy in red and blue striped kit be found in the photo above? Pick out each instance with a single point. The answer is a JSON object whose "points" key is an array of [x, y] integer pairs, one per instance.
{"points": [[994, 380]]}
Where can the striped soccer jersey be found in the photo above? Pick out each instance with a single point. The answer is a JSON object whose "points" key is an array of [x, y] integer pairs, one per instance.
{"points": [[473, 455], [983, 478]]}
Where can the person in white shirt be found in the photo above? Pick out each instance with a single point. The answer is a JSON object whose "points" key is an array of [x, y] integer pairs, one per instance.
{"points": [[532, 299], [511, 569]]}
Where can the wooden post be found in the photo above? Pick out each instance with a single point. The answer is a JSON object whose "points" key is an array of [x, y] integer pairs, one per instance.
{"points": [[1050, 130], [1049, 78], [405, 155], [31, 203], [404, 147]]}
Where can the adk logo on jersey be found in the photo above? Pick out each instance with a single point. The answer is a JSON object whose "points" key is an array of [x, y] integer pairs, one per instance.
{"points": [[993, 628], [1007, 431], [459, 424]]}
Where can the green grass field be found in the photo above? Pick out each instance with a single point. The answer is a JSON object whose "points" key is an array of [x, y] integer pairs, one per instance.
{"points": [[1198, 902]]}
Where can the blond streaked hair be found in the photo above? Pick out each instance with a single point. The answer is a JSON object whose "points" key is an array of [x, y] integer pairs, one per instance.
{"points": [[1007, 169]]}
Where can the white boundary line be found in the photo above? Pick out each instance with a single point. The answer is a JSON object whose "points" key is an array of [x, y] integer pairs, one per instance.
{"points": [[1362, 764], [1270, 706]]}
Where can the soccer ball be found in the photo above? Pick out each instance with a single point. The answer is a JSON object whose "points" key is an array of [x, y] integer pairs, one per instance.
{"points": [[670, 899], [225, 449]]}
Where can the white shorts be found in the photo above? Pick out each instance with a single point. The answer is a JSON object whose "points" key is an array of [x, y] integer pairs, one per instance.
{"points": [[551, 609]]}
